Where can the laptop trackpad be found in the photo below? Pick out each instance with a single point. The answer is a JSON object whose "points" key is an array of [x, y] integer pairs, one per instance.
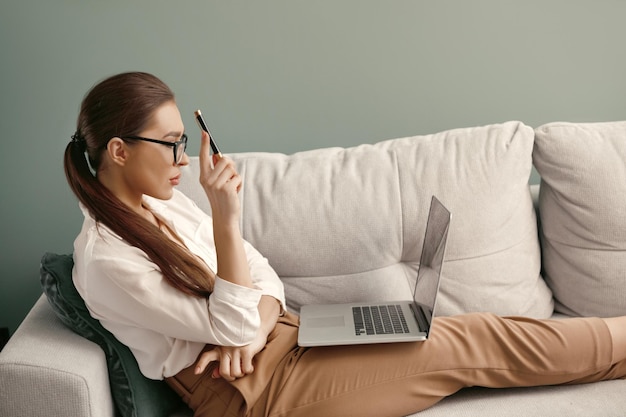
{"points": [[333, 321]]}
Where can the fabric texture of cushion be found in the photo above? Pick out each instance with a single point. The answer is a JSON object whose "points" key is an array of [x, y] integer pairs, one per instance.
{"points": [[133, 394], [582, 204], [341, 225]]}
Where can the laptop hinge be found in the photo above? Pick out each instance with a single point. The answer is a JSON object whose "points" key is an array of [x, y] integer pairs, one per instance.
{"points": [[420, 316]]}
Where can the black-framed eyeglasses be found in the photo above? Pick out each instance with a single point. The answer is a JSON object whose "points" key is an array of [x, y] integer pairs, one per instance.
{"points": [[179, 147]]}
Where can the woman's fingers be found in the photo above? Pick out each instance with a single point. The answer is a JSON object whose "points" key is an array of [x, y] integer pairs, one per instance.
{"points": [[234, 362], [225, 175], [220, 176], [246, 362], [205, 359], [206, 160], [233, 367]]}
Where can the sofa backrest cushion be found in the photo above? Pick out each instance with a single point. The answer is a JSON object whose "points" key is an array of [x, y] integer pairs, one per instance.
{"points": [[347, 224], [583, 214]]}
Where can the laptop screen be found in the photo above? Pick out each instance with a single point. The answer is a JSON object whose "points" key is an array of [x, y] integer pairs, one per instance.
{"points": [[431, 261]]}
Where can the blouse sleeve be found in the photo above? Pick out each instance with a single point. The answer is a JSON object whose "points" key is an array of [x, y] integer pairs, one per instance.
{"points": [[144, 299], [264, 277]]}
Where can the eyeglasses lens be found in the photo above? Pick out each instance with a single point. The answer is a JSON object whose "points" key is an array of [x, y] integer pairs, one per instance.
{"points": [[179, 150]]}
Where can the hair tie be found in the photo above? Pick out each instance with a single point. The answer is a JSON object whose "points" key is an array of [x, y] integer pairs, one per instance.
{"points": [[77, 138]]}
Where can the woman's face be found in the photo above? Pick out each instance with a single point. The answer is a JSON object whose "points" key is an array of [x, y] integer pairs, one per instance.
{"points": [[153, 170]]}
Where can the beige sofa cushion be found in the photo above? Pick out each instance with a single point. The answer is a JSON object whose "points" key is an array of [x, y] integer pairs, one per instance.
{"points": [[583, 213], [347, 224]]}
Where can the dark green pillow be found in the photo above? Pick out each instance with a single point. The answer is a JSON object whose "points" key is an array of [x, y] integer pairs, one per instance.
{"points": [[134, 394]]}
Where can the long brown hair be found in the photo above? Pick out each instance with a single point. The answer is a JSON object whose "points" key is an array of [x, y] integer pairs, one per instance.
{"points": [[120, 106]]}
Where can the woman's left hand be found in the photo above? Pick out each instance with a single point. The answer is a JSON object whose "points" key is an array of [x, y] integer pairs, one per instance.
{"points": [[234, 362]]}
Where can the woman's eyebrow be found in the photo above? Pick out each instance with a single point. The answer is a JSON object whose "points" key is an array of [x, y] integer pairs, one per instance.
{"points": [[173, 134]]}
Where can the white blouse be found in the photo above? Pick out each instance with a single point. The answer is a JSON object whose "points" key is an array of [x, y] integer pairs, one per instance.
{"points": [[164, 328]]}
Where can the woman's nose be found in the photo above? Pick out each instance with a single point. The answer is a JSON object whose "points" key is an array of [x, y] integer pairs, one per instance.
{"points": [[184, 160]]}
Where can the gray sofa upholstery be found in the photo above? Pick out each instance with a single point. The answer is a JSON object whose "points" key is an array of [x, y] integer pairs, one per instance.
{"points": [[346, 225]]}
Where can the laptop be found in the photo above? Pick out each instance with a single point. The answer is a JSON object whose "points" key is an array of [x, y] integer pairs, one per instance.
{"points": [[386, 321]]}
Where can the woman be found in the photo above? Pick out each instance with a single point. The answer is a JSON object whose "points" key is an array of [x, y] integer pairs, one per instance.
{"points": [[201, 308]]}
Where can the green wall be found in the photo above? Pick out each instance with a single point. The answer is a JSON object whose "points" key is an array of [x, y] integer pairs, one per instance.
{"points": [[284, 76]]}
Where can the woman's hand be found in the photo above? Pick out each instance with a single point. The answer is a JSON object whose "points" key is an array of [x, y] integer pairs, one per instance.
{"points": [[234, 362], [221, 183]]}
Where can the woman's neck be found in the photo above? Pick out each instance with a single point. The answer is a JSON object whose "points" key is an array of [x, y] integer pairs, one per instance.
{"points": [[132, 200]]}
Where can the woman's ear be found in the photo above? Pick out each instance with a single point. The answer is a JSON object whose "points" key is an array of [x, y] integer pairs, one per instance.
{"points": [[117, 151]]}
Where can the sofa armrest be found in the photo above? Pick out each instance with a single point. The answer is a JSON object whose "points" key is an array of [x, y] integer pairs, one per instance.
{"points": [[47, 370]]}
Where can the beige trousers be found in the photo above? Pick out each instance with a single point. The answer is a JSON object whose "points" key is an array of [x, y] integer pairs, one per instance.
{"points": [[402, 378]]}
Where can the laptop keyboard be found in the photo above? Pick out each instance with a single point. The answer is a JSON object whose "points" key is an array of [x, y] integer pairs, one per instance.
{"points": [[383, 319]]}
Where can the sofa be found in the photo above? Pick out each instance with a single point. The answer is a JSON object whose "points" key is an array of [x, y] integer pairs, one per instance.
{"points": [[346, 224]]}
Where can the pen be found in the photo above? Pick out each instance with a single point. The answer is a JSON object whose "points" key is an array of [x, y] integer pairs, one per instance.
{"points": [[204, 127]]}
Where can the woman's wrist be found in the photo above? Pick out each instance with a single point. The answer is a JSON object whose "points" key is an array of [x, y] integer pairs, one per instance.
{"points": [[229, 225], [232, 263]]}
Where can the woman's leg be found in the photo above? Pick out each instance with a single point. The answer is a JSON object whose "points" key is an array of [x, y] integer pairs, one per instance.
{"points": [[469, 350], [617, 327]]}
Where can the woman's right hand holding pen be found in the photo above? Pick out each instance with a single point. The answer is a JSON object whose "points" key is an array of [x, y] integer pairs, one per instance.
{"points": [[221, 183]]}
